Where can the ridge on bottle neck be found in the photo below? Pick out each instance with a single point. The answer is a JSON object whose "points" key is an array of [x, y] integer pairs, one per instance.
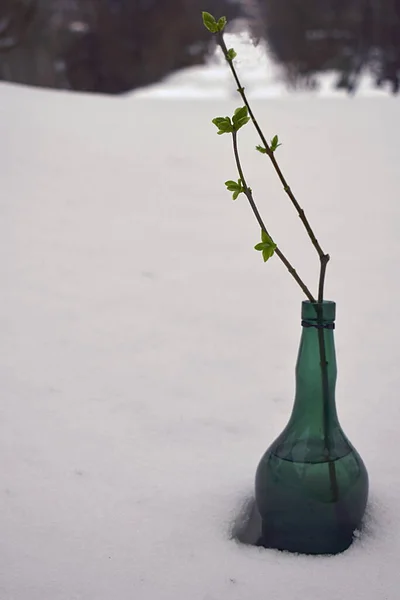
{"points": [[313, 313]]}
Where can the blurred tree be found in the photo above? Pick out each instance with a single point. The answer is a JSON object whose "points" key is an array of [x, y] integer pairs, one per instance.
{"points": [[108, 46], [132, 43], [311, 36], [16, 17], [33, 34]]}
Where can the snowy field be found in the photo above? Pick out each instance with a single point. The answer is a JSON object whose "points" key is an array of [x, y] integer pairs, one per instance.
{"points": [[147, 354]]}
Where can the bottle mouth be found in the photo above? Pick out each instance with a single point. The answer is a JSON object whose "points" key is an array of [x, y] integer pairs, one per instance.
{"points": [[314, 312]]}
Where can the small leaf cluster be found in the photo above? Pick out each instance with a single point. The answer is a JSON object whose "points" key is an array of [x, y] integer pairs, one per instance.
{"points": [[212, 24], [267, 246], [262, 150], [224, 125], [228, 125], [274, 144], [235, 187], [240, 117]]}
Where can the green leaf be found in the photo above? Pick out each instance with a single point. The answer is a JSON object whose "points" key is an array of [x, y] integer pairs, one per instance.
{"points": [[266, 238], [209, 22], [267, 253], [224, 125], [241, 122], [232, 186], [235, 187], [221, 23], [231, 54], [267, 246], [240, 113], [275, 143], [259, 247], [240, 117], [261, 149]]}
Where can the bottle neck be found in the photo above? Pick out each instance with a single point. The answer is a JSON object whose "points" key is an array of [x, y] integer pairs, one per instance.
{"points": [[316, 377], [313, 433]]}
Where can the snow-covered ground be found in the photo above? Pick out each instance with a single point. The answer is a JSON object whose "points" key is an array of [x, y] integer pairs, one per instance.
{"points": [[147, 353]]}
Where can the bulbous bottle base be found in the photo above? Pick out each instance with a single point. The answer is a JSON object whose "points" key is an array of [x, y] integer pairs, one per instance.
{"points": [[310, 507], [303, 542]]}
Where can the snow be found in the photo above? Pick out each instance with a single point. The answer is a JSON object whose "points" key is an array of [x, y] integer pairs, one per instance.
{"points": [[147, 353]]}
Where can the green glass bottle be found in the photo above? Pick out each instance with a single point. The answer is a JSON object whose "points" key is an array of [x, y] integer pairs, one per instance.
{"points": [[311, 484]]}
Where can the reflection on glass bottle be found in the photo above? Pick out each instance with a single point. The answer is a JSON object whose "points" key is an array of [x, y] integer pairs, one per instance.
{"points": [[311, 484]]}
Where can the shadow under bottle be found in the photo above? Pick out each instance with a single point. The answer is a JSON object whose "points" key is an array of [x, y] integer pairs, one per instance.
{"points": [[311, 484]]}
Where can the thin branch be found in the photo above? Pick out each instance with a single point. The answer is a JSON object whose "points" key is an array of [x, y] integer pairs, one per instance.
{"points": [[324, 258], [324, 261], [327, 411], [286, 187], [250, 198]]}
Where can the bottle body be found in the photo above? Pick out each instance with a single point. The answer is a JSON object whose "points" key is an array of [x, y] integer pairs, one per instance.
{"points": [[302, 510], [311, 484]]}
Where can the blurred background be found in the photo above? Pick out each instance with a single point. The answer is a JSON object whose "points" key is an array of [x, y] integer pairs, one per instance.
{"points": [[114, 46]]}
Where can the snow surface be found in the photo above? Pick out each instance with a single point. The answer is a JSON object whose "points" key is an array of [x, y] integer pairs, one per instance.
{"points": [[147, 353]]}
